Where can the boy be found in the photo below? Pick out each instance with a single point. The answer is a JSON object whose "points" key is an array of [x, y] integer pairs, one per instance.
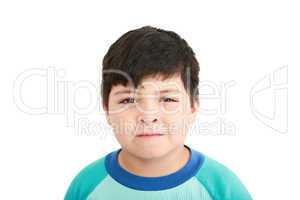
{"points": [[150, 98]]}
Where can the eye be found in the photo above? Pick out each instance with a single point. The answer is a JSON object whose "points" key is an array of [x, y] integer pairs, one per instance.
{"points": [[127, 100], [167, 99]]}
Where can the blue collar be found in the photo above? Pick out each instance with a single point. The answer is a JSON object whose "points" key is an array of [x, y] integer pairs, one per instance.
{"points": [[133, 181]]}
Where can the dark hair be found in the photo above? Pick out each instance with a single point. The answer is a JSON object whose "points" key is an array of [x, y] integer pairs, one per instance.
{"points": [[149, 51]]}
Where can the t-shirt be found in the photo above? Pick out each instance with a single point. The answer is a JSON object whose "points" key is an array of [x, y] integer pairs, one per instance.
{"points": [[201, 178]]}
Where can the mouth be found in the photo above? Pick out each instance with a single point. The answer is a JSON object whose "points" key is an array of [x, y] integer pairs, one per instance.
{"points": [[149, 135]]}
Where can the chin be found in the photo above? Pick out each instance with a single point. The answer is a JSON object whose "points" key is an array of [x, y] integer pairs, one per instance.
{"points": [[150, 153]]}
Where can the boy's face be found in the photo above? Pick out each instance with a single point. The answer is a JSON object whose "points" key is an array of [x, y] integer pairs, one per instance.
{"points": [[155, 107]]}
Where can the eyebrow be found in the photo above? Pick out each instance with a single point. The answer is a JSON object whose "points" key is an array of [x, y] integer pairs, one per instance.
{"points": [[169, 91], [128, 91]]}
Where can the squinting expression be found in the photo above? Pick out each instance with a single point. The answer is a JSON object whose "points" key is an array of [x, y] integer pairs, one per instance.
{"points": [[153, 119]]}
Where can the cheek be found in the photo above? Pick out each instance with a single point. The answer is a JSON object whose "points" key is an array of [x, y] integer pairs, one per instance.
{"points": [[124, 135], [178, 128], [171, 108], [123, 127]]}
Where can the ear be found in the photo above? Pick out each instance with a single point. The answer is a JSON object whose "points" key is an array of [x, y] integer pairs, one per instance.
{"points": [[194, 111], [105, 109]]}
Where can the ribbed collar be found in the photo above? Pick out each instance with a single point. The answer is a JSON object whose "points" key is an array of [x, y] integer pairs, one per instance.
{"points": [[126, 178]]}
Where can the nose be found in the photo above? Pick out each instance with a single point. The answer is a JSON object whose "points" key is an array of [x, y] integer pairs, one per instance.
{"points": [[148, 112]]}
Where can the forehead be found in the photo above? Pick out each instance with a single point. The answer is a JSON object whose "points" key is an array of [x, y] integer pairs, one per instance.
{"points": [[152, 85]]}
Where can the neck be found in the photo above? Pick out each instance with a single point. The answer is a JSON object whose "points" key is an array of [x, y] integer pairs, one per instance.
{"points": [[155, 167]]}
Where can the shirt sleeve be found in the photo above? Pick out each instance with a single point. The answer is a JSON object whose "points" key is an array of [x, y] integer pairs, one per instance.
{"points": [[220, 182], [86, 181]]}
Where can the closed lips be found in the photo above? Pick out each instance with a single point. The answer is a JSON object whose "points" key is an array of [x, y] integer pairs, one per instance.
{"points": [[149, 134]]}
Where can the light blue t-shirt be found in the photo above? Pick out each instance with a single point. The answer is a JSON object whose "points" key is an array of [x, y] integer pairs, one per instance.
{"points": [[202, 178]]}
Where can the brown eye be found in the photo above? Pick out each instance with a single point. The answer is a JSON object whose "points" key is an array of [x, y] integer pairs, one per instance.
{"points": [[127, 100], [169, 100]]}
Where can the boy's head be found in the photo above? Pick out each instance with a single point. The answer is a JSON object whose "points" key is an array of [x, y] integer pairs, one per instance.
{"points": [[150, 85]]}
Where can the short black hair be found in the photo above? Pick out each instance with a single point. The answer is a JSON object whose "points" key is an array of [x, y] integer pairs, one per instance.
{"points": [[149, 51]]}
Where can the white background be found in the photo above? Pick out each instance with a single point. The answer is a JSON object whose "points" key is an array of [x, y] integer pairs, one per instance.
{"points": [[249, 44]]}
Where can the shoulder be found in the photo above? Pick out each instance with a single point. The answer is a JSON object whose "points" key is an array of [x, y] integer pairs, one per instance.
{"points": [[86, 180], [220, 181]]}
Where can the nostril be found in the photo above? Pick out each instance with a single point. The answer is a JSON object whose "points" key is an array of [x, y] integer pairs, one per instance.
{"points": [[149, 120]]}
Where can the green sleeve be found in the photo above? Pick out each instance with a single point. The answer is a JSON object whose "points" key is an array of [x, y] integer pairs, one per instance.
{"points": [[86, 181], [220, 182]]}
